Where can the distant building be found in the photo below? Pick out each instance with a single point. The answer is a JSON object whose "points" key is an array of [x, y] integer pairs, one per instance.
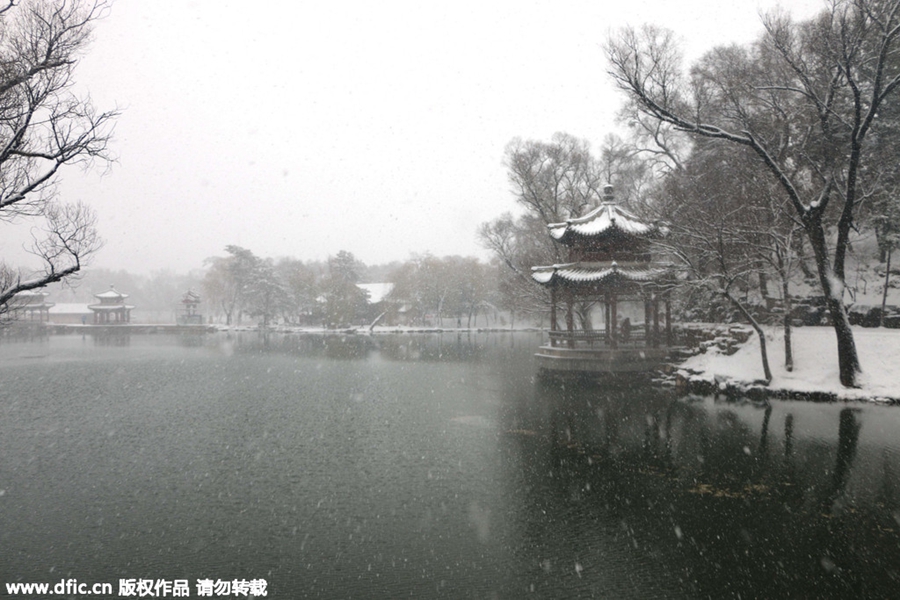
{"points": [[30, 306], [65, 313], [190, 309], [111, 308]]}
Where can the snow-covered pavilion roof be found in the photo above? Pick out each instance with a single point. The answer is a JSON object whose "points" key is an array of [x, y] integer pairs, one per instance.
{"points": [[30, 299], [594, 273], [111, 293], [607, 219]]}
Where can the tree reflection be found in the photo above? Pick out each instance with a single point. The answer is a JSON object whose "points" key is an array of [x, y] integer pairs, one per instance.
{"points": [[692, 482], [788, 435], [848, 438]]}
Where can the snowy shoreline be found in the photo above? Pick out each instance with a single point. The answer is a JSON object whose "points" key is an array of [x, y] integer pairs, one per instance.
{"points": [[815, 374]]}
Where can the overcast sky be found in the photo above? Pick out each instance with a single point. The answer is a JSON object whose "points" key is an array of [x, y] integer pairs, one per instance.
{"points": [[298, 128]]}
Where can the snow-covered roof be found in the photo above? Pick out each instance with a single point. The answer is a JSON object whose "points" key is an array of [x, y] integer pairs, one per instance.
{"points": [[110, 307], [607, 218], [377, 291], [69, 308], [111, 293], [597, 273], [30, 299]]}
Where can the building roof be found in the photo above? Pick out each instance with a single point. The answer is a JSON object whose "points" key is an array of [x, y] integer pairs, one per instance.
{"points": [[599, 273], [608, 218], [30, 300], [110, 307], [111, 293], [69, 308]]}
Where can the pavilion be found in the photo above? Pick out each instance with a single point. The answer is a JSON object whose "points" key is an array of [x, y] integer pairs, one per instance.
{"points": [[190, 309], [610, 264], [31, 306], [111, 309]]}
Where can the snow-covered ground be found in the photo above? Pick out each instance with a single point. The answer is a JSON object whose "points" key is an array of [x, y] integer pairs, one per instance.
{"points": [[815, 363]]}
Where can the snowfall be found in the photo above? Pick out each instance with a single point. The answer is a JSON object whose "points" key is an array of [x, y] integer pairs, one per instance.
{"points": [[815, 363]]}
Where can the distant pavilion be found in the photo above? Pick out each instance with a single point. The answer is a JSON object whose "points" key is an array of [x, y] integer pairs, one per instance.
{"points": [[111, 309], [190, 304], [31, 304], [610, 263]]}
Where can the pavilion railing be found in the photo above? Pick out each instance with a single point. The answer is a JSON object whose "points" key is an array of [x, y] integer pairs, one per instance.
{"points": [[597, 338]]}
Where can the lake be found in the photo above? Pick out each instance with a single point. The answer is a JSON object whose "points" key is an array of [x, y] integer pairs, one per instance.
{"points": [[427, 466]]}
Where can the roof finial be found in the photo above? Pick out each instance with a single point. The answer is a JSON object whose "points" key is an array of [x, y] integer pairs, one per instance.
{"points": [[608, 196]]}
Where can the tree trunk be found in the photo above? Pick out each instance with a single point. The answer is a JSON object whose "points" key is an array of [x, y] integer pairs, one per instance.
{"points": [[887, 280], [759, 332], [784, 271], [764, 288], [788, 308], [848, 359]]}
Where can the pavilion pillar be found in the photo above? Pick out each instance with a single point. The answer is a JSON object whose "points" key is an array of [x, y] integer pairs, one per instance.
{"points": [[655, 321], [670, 339], [647, 340], [552, 315], [606, 326], [570, 320], [613, 317]]}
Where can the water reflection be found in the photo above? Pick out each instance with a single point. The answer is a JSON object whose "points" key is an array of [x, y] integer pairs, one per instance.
{"points": [[444, 347], [775, 499], [429, 466], [113, 339]]}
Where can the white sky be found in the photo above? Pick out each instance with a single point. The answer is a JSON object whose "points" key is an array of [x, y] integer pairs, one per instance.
{"points": [[298, 128]]}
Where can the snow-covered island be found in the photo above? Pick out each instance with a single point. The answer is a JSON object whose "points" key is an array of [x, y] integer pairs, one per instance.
{"points": [[815, 360]]}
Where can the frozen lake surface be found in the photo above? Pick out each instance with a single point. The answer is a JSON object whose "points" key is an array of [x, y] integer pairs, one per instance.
{"points": [[427, 466]]}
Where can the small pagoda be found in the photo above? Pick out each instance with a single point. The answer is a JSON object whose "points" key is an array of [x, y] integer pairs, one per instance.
{"points": [[190, 307], [611, 267], [111, 309]]}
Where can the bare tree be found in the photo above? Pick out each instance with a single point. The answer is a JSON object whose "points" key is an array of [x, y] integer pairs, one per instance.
{"points": [[43, 127], [804, 99], [553, 181], [714, 235], [229, 281]]}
